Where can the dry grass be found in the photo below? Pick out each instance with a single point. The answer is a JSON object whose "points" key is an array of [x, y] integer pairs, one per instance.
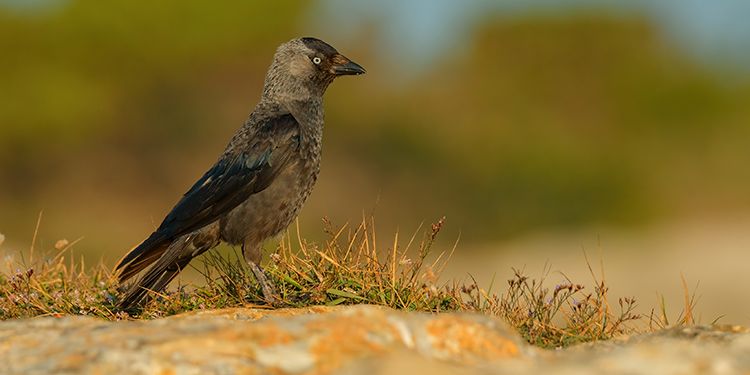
{"points": [[351, 267]]}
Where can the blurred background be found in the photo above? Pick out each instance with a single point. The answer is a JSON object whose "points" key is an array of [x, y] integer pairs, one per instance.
{"points": [[540, 129]]}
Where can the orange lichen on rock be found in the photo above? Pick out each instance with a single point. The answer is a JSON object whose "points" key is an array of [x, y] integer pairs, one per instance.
{"points": [[464, 339], [343, 337]]}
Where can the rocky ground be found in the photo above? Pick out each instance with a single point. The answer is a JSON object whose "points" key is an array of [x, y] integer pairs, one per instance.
{"points": [[346, 340]]}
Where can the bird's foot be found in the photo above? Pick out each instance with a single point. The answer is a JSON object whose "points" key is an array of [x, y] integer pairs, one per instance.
{"points": [[269, 291]]}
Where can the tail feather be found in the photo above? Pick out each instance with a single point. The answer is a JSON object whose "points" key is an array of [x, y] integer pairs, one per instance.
{"points": [[141, 256], [157, 281], [157, 277]]}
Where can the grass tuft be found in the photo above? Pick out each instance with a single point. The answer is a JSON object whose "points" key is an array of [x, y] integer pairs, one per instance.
{"points": [[348, 268]]}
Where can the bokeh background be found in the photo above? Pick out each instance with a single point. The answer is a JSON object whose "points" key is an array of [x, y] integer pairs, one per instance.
{"points": [[540, 129]]}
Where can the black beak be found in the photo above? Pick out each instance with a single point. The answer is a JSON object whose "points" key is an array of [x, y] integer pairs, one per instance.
{"points": [[342, 66]]}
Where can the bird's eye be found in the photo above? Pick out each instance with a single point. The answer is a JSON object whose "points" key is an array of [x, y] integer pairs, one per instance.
{"points": [[316, 60]]}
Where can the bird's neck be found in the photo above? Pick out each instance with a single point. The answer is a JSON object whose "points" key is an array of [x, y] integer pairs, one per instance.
{"points": [[279, 87], [309, 115], [308, 112]]}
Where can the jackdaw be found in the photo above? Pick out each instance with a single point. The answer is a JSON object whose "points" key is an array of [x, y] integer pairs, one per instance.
{"points": [[258, 185]]}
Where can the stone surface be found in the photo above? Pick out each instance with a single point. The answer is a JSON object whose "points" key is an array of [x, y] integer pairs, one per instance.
{"points": [[345, 340]]}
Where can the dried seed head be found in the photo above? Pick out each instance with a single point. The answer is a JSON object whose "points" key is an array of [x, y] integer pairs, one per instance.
{"points": [[61, 244]]}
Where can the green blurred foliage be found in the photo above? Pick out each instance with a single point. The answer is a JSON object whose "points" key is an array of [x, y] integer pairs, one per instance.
{"points": [[109, 110], [555, 121], [79, 70]]}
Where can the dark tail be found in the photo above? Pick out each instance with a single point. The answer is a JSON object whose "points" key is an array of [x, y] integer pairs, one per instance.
{"points": [[171, 260], [142, 256]]}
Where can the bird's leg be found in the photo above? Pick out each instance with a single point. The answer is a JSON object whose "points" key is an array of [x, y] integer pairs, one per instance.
{"points": [[253, 256], [269, 291]]}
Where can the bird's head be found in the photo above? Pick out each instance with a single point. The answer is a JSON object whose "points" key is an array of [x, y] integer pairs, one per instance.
{"points": [[303, 68]]}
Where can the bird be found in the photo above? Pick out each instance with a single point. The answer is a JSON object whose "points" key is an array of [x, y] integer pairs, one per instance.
{"points": [[260, 181]]}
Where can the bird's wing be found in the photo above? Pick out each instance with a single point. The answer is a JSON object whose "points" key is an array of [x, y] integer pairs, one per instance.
{"points": [[227, 184]]}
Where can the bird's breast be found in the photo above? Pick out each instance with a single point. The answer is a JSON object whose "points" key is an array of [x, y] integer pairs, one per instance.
{"points": [[271, 210]]}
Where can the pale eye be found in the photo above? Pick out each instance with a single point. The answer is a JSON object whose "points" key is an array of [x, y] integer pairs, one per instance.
{"points": [[316, 60]]}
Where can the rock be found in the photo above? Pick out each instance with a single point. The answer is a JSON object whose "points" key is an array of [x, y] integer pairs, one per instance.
{"points": [[317, 340], [345, 340]]}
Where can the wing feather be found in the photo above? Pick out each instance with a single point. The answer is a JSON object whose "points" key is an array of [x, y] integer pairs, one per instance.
{"points": [[234, 178]]}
